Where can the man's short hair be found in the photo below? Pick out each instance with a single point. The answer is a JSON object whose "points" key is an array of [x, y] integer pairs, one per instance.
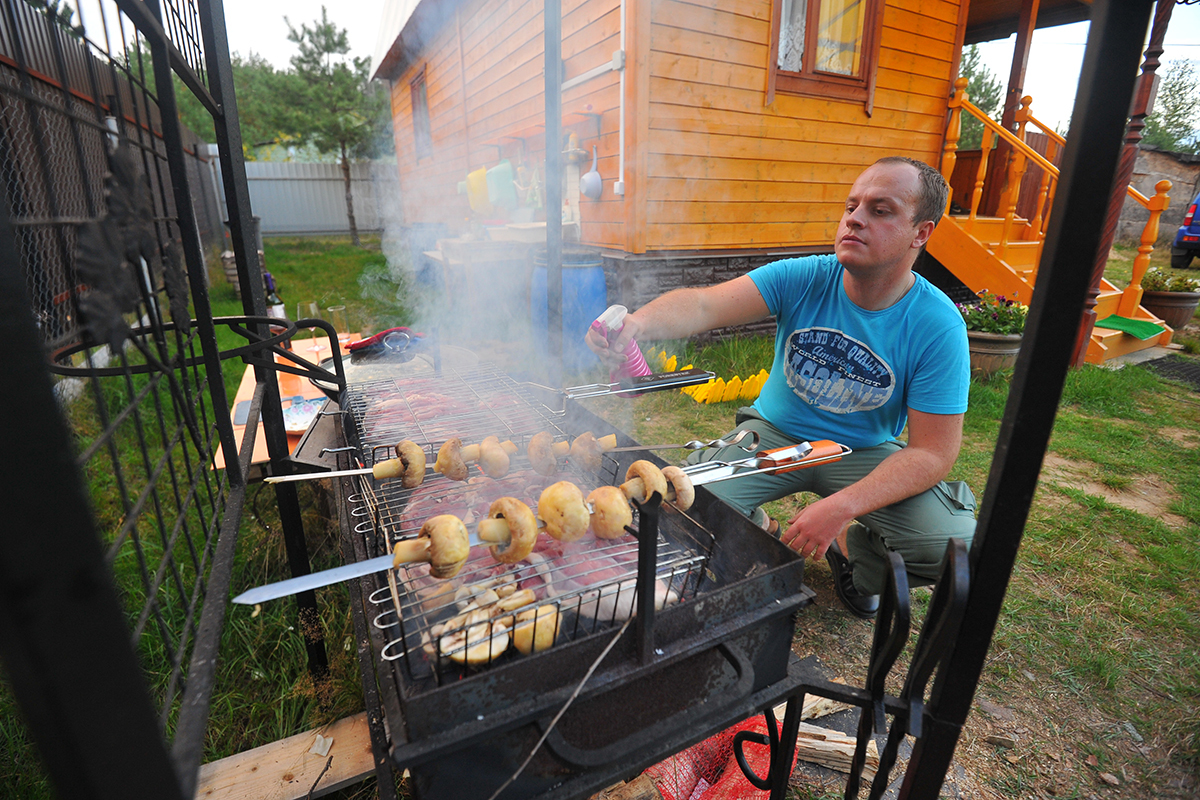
{"points": [[931, 199]]}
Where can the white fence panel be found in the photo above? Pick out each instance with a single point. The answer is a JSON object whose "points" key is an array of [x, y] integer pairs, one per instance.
{"points": [[293, 198]]}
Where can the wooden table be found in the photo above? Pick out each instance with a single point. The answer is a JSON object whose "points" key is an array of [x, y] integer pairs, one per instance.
{"points": [[290, 387]]}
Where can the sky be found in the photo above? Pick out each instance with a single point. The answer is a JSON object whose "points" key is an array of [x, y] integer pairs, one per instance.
{"points": [[1051, 77]]}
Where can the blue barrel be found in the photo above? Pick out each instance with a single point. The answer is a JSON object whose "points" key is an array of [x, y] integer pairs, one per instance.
{"points": [[584, 297]]}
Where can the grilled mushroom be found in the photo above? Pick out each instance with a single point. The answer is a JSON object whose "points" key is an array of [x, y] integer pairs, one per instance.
{"points": [[684, 494], [610, 512], [541, 454], [442, 542], [450, 462], [642, 480], [409, 465], [562, 508], [511, 523], [535, 629], [493, 459]]}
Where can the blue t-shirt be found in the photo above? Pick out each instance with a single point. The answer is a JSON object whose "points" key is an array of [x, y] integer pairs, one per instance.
{"points": [[850, 375]]}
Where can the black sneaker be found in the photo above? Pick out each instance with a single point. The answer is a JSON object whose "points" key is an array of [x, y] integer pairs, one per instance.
{"points": [[860, 605]]}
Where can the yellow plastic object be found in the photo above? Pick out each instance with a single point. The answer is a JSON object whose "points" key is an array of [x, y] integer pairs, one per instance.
{"points": [[671, 364], [477, 191], [716, 392], [732, 390]]}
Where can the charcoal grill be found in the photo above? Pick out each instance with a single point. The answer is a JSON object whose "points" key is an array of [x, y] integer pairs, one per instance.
{"points": [[714, 653]]}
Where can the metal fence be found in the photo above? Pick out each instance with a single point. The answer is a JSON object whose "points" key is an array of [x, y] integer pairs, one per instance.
{"points": [[116, 555], [294, 198]]}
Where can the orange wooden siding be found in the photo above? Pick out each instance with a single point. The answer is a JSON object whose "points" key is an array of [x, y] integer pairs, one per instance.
{"points": [[707, 165], [724, 171], [486, 101]]}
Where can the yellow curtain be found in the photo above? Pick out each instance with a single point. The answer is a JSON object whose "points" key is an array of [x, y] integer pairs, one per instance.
{"points": [[839, 36]]}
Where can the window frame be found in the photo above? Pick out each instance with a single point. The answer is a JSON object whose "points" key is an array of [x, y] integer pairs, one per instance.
{"points": [[422, 128], [812, 83]]}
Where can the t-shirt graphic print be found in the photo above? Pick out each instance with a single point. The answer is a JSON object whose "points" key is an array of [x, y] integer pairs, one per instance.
{"points": [[835, 372]]}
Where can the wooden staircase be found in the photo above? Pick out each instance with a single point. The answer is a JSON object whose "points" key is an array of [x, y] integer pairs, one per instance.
{"points": [[1001, 254]]}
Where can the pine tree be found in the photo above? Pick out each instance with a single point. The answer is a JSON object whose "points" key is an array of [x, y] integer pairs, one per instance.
{"points": [[984, 90]]}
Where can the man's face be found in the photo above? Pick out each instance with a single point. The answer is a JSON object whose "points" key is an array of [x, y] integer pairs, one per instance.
{"points": [[877, 229]]}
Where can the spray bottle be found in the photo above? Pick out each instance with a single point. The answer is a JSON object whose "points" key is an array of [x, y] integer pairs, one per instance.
{"points": [[609, 325]]}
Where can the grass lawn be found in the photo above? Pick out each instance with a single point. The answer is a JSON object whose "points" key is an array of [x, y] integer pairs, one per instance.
{"points": [[1094, 669]]}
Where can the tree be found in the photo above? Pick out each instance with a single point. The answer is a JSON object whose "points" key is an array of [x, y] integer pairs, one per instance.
{"points": [[265, 114], [1173, 124], [984, 90], [336, 108]]}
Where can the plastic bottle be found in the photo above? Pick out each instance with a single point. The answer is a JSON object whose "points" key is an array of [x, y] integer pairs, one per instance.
{"points": [[609, 325]]}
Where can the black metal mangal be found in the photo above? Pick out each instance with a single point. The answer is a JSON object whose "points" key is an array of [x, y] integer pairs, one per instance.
{"points": [[698, 663]]}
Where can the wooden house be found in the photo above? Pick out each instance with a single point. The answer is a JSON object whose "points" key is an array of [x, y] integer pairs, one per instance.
{"points": [[727, 132]]}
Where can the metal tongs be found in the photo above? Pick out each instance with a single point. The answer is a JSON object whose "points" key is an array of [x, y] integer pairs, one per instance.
{"points": [[696, 444], [772, 462], [654, 382]]}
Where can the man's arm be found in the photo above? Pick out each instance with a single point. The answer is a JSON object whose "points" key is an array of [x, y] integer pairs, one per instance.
{"points": [[685, 312], [933, 444]]}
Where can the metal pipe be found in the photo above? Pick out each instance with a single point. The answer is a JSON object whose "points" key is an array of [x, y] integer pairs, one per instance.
{"points": [[552, 14]]}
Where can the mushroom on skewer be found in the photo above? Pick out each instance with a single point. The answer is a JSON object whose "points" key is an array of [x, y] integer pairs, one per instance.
{"points": [[562, 508], [644, 479], [610, 512], [587, 450], [450, 461], [409, 465], [511, 523], [442, 541], [544, 453]]}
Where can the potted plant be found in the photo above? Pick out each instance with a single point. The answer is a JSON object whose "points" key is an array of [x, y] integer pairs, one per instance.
{"points": [[1171, 298], [995, 326]]}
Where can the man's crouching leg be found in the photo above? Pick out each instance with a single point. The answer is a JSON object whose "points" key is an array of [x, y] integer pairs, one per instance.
{"points": [[918, 529]]}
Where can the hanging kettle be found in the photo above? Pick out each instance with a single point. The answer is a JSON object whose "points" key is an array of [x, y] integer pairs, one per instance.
{"points": [[590, 184]]}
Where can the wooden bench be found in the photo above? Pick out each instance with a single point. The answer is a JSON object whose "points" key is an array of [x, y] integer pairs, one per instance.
{"points": [[287, 770]]}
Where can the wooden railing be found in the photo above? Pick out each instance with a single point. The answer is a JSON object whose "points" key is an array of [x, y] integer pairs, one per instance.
{"points": [[1022, 155]]}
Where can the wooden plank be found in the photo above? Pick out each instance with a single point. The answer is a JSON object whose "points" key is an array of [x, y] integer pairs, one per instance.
{"points": [[804, 132], [933, 29], [719, 22], [673, 166], [683, 42], [760, 9], [682, 190], [909, 42], [709, 235], [286, 770]]}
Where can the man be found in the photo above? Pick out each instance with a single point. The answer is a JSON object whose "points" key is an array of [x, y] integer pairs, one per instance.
{"points": [[864, 346]]}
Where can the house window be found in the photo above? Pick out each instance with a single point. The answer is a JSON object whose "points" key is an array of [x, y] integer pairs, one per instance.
{"points": [[422, 136], [825, 48]]}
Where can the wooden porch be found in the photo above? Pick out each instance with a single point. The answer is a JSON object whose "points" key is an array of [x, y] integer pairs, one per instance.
{"points": [[992, 239]]}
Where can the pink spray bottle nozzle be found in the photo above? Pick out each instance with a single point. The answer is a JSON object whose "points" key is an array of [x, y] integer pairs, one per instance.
{"points": [[609, 325]]}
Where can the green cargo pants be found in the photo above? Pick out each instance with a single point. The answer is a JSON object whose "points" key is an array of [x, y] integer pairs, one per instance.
{"points": [[917, 528]]}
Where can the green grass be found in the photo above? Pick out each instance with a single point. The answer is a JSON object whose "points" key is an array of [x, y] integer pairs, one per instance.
{"points": [[1103, 607]]}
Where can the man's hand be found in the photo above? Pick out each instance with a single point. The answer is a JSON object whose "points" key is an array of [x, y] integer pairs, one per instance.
{"points": [[933, 443], [810, 532], [612, 354]]}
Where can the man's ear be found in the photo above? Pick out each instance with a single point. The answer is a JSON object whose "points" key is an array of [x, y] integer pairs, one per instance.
{"points": [[924, 231]]}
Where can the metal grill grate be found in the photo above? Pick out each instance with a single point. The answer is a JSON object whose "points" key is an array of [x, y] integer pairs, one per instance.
{"points": [[591, 584]]}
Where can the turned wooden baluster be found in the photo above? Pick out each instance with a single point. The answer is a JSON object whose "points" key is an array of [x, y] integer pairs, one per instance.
{"points": [[1131, 298], [1036, 228], [985, 152], [1016, 172], [1045, 223], [953, 133]]}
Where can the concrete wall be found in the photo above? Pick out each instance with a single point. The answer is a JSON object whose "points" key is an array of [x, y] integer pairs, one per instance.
{"points": [[1152, 166]]}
